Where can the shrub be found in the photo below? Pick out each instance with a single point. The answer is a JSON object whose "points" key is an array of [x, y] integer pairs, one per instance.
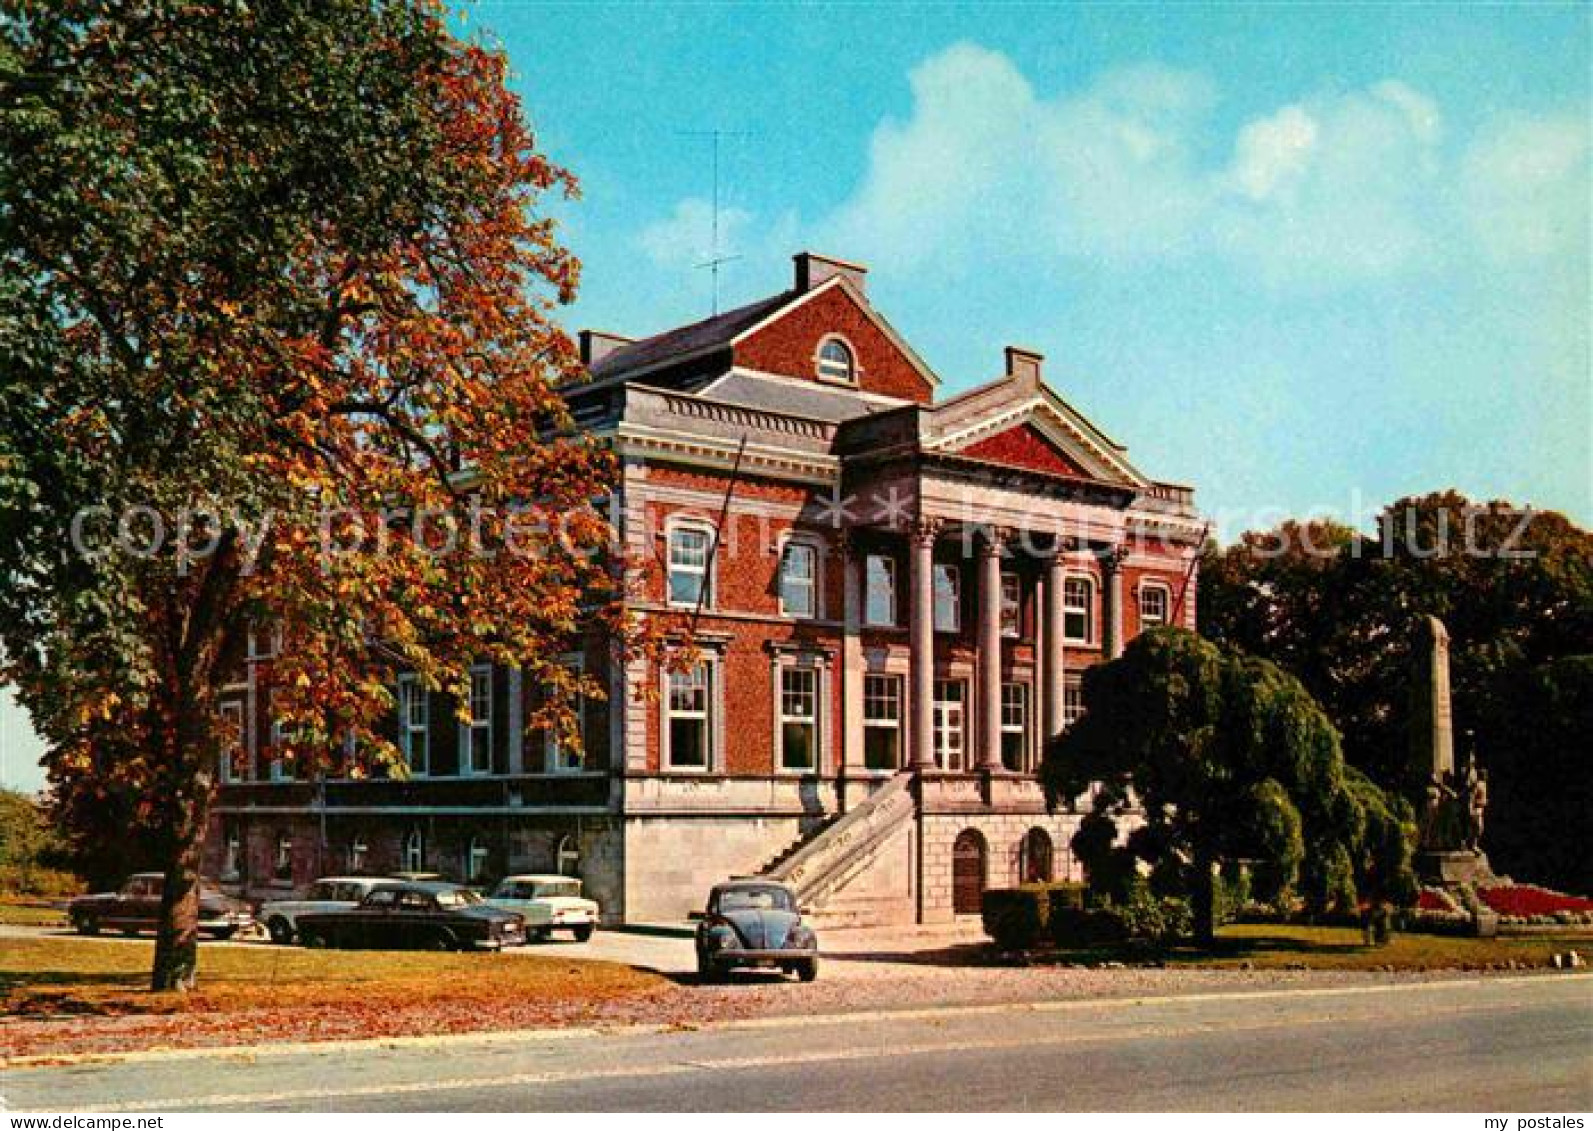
{"points": [[1159, 919], [1019, 918], [1084, 928], [38, 881]]}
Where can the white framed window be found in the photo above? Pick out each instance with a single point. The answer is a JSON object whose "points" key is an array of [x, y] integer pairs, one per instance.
{"points": [[475, 859], [948, 597], [879, 605], [565, 757], [1015, 726], [799, 719], [279, 769], [415, 850], [282, 862], [836, 362], [1155, 602], [358, 852], [232, 861], [882, 721], [687, 719], [414, 724], [567, 860], [1078, 609], [233, 740], [799, 580], [690, 564], [475, 736], [1011, 605], [951, 723], [1072, 701]]}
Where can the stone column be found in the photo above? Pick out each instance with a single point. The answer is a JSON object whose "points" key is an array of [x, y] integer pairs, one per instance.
{"points": [[851, 561], [921, 620], [1112, 587], [1054, 633], [989, 554]]}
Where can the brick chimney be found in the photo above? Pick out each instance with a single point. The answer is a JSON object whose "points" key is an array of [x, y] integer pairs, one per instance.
{"points": [[596, 345], [814, 270], [1024, 364]]}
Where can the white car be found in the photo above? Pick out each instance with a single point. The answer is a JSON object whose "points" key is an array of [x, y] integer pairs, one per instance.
{"points": [[333, 893], [548, 903]]}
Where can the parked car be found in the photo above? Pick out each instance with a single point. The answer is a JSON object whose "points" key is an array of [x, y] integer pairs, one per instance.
{"points": [[136, 907], [428, 916], [332, 893], [754, 923], [549, 903]]}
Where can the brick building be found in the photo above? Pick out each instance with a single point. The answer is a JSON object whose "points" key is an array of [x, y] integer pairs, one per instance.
{"points": [[893, 596]]}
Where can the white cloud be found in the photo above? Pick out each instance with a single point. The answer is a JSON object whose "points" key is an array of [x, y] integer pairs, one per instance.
{"points": [[1272, 153], [1333, 190], [1524, 185], [685, 238]]}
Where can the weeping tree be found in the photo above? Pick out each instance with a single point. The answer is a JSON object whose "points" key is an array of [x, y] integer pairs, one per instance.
{"points": [[277, 353], [1213, 758]]}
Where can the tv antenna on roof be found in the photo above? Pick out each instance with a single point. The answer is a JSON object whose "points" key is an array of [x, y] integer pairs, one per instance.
{"points": [[716, 256]]}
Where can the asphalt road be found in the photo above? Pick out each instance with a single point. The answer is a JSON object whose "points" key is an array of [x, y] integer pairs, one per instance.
{"points": [[1497, 1044]]}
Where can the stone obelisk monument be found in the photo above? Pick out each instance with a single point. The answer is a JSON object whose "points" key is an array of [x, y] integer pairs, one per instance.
{"points": [[1452, 815]]}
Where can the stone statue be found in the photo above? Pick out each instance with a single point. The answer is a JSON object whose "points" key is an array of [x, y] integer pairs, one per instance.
{"points": [[1456, 800]]}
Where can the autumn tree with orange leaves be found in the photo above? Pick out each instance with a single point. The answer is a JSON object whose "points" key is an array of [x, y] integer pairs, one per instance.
{"points": [[277, 348]]}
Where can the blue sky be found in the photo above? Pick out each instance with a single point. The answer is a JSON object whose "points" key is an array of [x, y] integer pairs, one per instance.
{"points": [[1307, 258]]}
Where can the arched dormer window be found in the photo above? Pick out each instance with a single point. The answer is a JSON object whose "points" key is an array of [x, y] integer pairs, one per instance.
{"points": [[836, 362]]}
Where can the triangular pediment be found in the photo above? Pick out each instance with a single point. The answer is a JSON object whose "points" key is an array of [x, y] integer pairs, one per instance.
{"points": [[1024, 424]]}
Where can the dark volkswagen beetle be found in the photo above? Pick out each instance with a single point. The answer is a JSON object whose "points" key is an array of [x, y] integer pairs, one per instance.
{"points": [[428, 916], [755, 923]]}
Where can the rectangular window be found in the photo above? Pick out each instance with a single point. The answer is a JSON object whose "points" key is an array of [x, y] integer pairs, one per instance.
{"points": [[1011, 605], [799, 569], [799, 719], [477, 736], [882, 721], [880, 578], [1072, 702], [1152, 605], [414, 718], [686, 711], [948, 597], [279, 769], [1015, 726], [950, 723], [565, 757], [1078, 610], [689, 551], [232, 741]]}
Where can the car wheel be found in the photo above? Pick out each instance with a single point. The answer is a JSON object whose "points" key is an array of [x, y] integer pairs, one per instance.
{"points": [[442, 940], [88, 925], [537, 935], [709, 973], [583, 933], [280, 931], [808, 969], [315, 940]]}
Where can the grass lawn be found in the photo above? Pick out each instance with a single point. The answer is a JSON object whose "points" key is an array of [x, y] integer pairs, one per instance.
{"points": [[40, 976], [1274, 946], [22, 913]]}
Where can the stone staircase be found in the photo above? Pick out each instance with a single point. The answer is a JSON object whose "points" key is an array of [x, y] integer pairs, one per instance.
{"points": [[820, 867]]}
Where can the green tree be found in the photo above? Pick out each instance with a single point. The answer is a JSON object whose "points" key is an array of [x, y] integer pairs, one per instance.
{"points": [[1218, 758], [28, 842], [276, 348], [1339, 610]]}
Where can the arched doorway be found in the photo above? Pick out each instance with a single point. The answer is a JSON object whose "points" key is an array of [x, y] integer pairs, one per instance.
{"points": [[967, 872], [1035, 858]]}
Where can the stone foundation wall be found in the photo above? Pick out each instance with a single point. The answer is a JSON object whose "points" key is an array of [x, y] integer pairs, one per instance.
{"points": [[671, 862], [1003, 834]]}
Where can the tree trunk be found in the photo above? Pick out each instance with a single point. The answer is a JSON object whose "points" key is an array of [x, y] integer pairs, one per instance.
{"points": [[176, 965], [1205, 902]]}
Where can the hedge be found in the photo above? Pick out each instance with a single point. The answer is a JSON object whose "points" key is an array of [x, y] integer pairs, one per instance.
{"points": [[1019, 918]]}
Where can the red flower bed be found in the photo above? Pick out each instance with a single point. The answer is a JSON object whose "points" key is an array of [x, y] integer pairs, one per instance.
{"points": [[1526, 899]]}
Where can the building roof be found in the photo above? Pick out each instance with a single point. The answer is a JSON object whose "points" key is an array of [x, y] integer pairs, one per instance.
{"points": [[689, 340]]}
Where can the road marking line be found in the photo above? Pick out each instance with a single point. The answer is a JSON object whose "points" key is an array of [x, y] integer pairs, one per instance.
{"points": [[747, 1063]]}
